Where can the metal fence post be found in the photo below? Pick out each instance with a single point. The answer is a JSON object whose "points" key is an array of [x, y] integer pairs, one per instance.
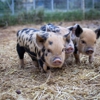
{"points": [[67, 5], [52, 5], [11, 7], [83, 8], [93, 4], [13, 10], [34, 4]]}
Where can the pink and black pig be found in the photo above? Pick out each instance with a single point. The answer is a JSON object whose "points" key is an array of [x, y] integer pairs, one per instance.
{"points": [[46, 49], [69, 46]]}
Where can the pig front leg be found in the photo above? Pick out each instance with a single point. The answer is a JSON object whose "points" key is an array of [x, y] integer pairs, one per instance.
{"points": [[43, 66], [91, 58], [35, 63], [21, 61], [77, 55], [77, 58], [21, 51]]}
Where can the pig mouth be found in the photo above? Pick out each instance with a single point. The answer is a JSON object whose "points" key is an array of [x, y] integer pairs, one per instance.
{"points": [[57, 61]]}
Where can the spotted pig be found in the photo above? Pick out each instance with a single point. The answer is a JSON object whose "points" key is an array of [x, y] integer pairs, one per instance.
{"points": [[46, 49], [85, 41], [62, 31]]}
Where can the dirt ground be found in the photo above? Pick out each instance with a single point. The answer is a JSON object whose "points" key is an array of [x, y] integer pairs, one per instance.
{"points": [[72, 82]]}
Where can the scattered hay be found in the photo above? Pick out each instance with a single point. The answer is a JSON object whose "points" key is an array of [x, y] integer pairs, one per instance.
{"points": [[72, 82]]}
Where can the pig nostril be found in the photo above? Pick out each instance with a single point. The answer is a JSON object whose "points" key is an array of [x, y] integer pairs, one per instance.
{"points": [[89, 51], [57, 62], [69, 49]]}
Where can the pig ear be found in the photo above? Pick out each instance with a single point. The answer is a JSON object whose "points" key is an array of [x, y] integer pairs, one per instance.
{"points": [[76, 29], [67, 37], [45, 28], [40, 39], [97, 31]]}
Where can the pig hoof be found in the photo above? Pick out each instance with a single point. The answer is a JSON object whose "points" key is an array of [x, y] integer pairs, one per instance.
{"points": [[90, 62], [91, 59], [21, 67], [77, 62], [45, 68], [43, 71]]}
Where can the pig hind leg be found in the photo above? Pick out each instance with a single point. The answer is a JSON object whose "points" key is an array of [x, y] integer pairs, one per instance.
{"points": [[21, 51]]}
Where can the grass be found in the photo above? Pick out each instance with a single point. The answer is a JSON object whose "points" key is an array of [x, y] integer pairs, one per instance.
{"points": [[39, 16]]}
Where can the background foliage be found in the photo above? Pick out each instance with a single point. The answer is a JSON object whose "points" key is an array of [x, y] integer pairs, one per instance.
{"points": [[42, 12]]}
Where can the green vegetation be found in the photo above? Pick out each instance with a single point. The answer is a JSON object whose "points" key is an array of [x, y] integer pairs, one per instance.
{"points": [[40, 16], [92, 14], [63, 16]]}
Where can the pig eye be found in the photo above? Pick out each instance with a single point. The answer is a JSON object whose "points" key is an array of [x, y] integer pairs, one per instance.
{"points": [[83, 42], [67, 40], [63, 49], [48, 50], [95, 42]]}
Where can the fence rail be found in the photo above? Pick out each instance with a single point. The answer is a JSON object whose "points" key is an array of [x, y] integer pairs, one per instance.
{"points": [[15, 6]]}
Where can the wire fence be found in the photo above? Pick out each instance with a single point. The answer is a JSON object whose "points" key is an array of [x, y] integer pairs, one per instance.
{"points": [[16, 6]]}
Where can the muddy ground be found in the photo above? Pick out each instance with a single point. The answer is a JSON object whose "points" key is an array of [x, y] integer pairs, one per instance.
{"points": [[72, 82]]}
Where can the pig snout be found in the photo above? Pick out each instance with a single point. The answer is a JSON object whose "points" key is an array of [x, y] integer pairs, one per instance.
{"points": [[89, 51], [57, 61], [69, 50]]}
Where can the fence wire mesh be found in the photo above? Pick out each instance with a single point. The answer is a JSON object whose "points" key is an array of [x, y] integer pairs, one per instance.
{"points": [[16, 6]]}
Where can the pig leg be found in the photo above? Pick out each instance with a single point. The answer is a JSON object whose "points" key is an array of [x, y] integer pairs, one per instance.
{"points": [[42, 65], [45, 67], [69, 59], [91, 58], [77, 58], [76, 55], [21, 51], [35, 62]]}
